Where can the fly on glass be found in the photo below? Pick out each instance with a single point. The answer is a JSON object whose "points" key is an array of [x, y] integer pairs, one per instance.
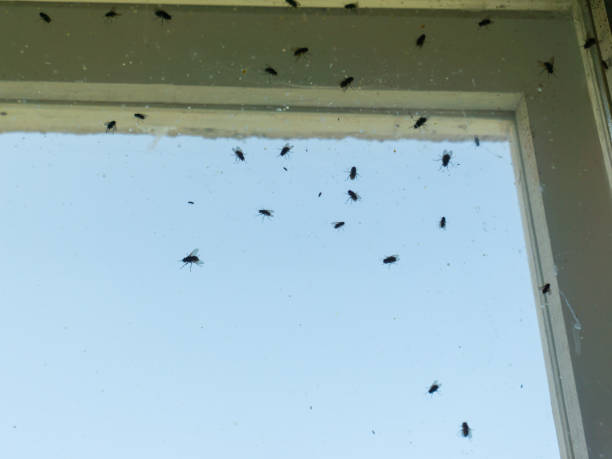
{"points": [[192, 259]]}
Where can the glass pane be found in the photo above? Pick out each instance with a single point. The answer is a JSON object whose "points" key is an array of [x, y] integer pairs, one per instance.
{"points": [[292, 338]]}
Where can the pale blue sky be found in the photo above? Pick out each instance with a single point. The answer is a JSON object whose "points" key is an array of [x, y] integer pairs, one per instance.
{"points": [[110, 350]]}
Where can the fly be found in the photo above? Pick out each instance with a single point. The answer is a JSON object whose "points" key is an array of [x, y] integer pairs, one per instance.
{"points": [[446, 157], [549, 66], [190, 202], [271, 71], [485, 22], [344, 84], [353, 173], [420, 122], [266, 213], [443, 222], [163, 15], [390, 259], [300, 51], [293, 3], [191, 259], [420, 41], [111, 14], [466, 430], [434, 387], [286, 149], [351, 6], [140, 116], [545, 289], [45, 17], [239, 153], [477, 141], [589, 42], [353, 196], [338, 225], [111, 126]]}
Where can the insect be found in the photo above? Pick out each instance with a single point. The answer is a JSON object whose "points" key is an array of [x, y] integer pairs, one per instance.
{"points": [[605, 64], [111, 14], [239, 153], [351, 6], [45, 17], [190, 202], [320, 193], [420, 41], [338, 225], [353, 173], [293, 3], [266, 212], [162, 15], [111, 126], [545, 288], [271, 71], [446, 157], [346, 82], [466, 430], [191, 259], [589, 42], [420, 122], [285, 169], [286, 149], [443, 222], [549, 66], [477, 141], [390, 259], [140, 116], [485, 22], [434, 387], [353, 196], [300, 51]]}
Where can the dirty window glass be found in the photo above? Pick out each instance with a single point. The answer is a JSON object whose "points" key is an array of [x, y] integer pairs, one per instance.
{"points": [[289, 334]]}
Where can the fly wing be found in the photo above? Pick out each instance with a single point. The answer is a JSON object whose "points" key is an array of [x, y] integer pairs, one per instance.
{"points": [[199, 262], [194, 253]]}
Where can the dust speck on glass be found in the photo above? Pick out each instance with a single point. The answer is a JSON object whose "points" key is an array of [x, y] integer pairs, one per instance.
{"points": [[183, 297]]}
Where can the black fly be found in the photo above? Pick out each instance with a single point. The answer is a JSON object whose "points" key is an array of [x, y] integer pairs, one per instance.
{"points": [[111, 14], [346, 82], [605, 64], [239, 153], [293, 3], [351, 6], [140, 116], [162, 15], [549, 66], [338, 224], [477, 141], [300, 51], [271, 71], [443, 222], [589, 42], [190, 202], [485, 22], [390, 259], [420, 41], [111, 126], [286, 149], [266, 212], [420, 122], [320, 193], [545, 289], [191, 259], [446, 157], [353, 196], [434, 387], [466, 430], [353, 173], [45, 17]]}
